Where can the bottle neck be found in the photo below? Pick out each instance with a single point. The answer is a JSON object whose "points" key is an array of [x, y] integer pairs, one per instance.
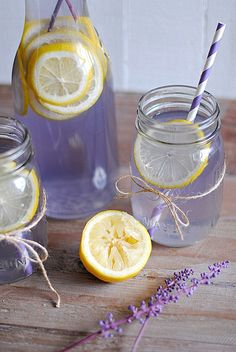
{"points": [[158, 109], [44, 9], [15, 146]]}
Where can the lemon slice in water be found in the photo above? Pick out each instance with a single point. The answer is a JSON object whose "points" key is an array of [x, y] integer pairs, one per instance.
{"points": [[114, 246], [35, 28], [19, 87], [37, 31], [170, 165], [19, 199], [60, 73]]}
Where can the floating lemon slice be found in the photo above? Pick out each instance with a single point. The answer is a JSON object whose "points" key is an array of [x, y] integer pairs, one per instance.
{"points": [[40, 110], [170, 165], [34, 30], [61, 73], [85, 102], [114, 246], [60, 36], [19, 199], [19, 87]]}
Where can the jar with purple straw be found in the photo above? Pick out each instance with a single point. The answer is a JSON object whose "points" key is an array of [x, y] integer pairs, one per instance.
{"points": [[179, 159], [177, 164], [21, 204]]}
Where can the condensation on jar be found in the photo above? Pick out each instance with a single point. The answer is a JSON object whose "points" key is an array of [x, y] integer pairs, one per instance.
{"points": [[180, 159]]}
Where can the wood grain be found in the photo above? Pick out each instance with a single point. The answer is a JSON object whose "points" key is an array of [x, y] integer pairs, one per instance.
{"points": [[206, 322]]}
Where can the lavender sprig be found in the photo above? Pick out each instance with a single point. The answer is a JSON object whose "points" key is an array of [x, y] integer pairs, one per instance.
{"points": [[170, 293], [56, 11]]}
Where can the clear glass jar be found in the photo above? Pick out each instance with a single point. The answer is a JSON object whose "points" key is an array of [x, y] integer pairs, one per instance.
{"points": [[180, 159], [20, 200], [63, 93]]}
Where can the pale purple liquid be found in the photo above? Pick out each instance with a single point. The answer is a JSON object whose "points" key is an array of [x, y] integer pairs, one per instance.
{"points": [[77, 158], [202, 213], [14, 264]]}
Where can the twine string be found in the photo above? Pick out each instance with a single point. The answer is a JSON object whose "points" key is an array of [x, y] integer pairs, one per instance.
{"points": [[179, 216], [14, 238]]}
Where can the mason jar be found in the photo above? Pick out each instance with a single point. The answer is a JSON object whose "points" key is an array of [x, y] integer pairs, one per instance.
{"points": [[21, 202], [179, 165]]}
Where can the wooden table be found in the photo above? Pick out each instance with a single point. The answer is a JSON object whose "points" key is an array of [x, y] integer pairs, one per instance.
{"points": [[206, 322]]}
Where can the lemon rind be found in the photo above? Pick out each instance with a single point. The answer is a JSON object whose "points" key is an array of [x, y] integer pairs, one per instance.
{"points": [[97, 269], [189, 180]]}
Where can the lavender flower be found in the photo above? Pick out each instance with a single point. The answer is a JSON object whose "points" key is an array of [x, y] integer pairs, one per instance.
{"points": [[179, 284]]}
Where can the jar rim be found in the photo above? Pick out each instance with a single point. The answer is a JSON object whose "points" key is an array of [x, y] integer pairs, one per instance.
{"points": [[209, 125], [23, 150]]}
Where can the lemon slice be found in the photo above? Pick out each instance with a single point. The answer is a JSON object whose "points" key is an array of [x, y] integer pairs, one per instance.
{"points": [[40, 110], [19, 199], [59, 36], [89, 99], [60, 73], [114, 246], [170, 165], [19, 87], [35, 28]]}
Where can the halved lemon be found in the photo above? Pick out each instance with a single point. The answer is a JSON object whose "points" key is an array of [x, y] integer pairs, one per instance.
{"points": [[19, 199], [19, 87], [114, 246], [170, 165], [61, 73]]}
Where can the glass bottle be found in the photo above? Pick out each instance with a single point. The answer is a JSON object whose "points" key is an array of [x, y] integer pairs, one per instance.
{"points": [[20, 200], [62, 88], [180, 159]]}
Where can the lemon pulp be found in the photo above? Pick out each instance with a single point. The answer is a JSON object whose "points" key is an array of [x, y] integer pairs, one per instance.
{"points": [[114, 246], [19, 199], [170, 165]]}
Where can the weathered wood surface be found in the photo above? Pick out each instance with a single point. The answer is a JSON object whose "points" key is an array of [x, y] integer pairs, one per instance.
{"points": [[206, 322]]}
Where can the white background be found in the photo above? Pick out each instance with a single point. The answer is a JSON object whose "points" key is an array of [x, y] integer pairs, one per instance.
{"points": [[151, 42]]}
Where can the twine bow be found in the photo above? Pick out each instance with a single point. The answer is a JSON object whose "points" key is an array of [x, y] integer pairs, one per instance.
{"points": [[179, 216], [32, 247]]}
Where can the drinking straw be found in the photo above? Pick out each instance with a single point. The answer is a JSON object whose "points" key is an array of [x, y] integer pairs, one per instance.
{"points": [[56, 11], [157, 210], [72, 11], [206, 71], [54, 15]]}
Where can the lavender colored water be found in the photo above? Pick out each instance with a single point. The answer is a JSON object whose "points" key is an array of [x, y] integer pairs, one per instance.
{"points": [[77, 158], [202, 213], [14, 264]]}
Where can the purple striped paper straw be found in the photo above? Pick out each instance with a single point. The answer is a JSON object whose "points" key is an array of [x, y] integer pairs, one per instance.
{"points": [[206, 71]]}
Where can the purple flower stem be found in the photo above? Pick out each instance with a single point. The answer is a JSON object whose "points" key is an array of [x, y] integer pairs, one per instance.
{"points": [[82, 341], [72, 11], [174, 288], [54, 15], [140, 334]]}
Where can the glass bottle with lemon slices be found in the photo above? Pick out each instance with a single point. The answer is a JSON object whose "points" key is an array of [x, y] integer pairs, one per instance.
{"points": [[180, 159], [62, 89], [20, 200]]}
